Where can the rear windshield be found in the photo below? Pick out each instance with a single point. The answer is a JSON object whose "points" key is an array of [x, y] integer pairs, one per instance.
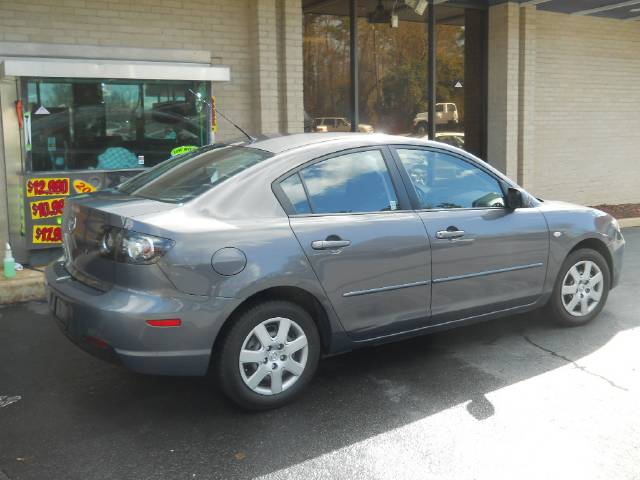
{"points": [[187, 176]]}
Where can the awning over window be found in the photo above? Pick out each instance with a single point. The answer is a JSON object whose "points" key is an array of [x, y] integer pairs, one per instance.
{"points": [[82, 68]]}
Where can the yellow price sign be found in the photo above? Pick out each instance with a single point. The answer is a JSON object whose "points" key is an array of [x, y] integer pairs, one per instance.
{"points": [[43, 187], [52, 207], [47, 234], [81, 186]]}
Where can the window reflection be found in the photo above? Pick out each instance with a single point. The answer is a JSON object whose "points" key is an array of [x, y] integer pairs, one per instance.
{"points": [[444, 181], [393, 71], [112, 124], [356, 182], [326, 72], [393, 74]]}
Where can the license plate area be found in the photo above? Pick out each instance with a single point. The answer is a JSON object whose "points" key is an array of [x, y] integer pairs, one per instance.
{"points": [[61, 310]]}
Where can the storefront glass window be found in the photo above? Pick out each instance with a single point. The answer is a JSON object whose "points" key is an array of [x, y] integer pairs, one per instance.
{"points": [[326, 73], [393, 56], [79, 124], [460, 35], [393, 74]]}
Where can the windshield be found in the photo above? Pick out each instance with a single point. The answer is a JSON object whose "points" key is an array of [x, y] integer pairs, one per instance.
{"points": [[187, 176]]}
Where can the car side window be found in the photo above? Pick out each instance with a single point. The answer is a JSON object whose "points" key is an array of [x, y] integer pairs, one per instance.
{"points": [[357, 182], [443, 181], [293, 189]]}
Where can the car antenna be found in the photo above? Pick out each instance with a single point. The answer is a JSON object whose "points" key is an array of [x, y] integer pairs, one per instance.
{"points": [[200, 98]]}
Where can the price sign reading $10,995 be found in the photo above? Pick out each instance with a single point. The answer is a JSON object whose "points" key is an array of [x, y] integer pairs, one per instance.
{"points": [[52, 207]]}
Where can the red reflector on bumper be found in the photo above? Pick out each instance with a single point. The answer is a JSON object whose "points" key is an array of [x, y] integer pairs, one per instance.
{"points": [[96, 342], [170, 322]]}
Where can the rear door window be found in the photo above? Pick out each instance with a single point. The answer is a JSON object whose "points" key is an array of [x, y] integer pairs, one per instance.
{"points": [[294, 191], [356, 182]]}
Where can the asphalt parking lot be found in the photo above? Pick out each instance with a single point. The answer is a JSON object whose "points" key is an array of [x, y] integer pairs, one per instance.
{"points": [[512, 398]]}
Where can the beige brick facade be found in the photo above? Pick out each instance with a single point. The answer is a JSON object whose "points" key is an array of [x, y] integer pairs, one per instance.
{"points": [[242, 34], [259, 40], [564, 104], [563, 91], [502, 102]]}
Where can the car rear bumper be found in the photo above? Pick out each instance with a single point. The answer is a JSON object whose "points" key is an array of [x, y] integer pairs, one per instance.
{"points": [[112, 325]]}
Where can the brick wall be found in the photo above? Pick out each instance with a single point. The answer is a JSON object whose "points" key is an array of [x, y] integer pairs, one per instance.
{"points": [[564, 104], [502, 104], [226, 28], [259, 40], [587, 109]]}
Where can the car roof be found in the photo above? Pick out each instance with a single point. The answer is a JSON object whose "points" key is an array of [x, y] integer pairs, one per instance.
{"points": [[284, 143]]}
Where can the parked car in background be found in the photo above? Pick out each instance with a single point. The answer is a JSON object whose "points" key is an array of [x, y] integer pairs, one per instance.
{"points": [[341, 124], [446, 114], [251, 261], [455, 139], [309, 123]]}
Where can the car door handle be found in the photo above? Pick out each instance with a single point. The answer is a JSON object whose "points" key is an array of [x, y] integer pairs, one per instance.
{"points": [[329, 244], [449, 234]]}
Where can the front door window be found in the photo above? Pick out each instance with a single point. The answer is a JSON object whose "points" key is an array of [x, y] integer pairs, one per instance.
{"points": [[442, 181]]}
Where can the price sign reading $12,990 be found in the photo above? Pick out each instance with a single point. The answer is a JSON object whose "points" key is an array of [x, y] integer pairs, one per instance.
{"points": [[42, 187]]}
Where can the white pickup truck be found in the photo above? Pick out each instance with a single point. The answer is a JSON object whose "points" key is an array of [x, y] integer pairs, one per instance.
{"points": [[446, 114]]}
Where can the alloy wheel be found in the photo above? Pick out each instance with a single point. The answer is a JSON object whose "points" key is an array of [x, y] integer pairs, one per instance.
{"points": [[273, 356], [582, 288]]}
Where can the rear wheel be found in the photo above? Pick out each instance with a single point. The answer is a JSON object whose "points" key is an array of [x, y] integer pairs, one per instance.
{"points": [[269, 355], [581, 289]]}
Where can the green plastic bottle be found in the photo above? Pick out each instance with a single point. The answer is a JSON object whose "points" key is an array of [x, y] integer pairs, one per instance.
{"points": [[9, 263]]}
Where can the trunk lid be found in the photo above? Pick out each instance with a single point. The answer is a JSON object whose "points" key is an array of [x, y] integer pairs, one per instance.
{"points": [[86, 219]]}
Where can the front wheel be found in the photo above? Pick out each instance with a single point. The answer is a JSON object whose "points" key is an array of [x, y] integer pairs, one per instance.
{"points": [[269, 355], [581, 289]]}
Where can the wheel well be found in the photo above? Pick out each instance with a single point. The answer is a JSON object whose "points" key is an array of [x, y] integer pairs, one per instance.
{"points": [[295, 295], [597, 245]]}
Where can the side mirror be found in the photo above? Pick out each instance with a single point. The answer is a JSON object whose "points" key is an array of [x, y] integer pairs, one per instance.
{"points": [[514, 198]]}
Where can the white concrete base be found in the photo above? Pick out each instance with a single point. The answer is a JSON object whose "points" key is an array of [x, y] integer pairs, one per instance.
{"points": [[629, 222]]}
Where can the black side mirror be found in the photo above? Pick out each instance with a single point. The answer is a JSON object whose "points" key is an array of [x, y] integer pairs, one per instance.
{"points": [[514, 198]]}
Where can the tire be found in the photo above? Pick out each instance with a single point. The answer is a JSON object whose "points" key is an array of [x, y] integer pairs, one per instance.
{"points": [[561, 306], [422, 128], [283, 358]]}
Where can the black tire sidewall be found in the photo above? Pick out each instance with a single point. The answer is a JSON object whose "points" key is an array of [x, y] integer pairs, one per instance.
{"points": [[228, 372], [560, 314]]}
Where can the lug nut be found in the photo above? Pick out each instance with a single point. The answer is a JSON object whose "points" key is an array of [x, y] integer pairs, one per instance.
{"points": [[281, 346], [283, 357], [274, 366]]}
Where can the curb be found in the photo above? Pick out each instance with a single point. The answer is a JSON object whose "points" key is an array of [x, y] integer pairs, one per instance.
{"points": [[28, 285], [629, 222]]}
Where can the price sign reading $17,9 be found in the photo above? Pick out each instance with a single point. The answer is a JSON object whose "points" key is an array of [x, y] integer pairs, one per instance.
{"points": [[47, 234]]}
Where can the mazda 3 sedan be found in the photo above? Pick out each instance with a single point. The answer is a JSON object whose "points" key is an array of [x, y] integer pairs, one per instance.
{"points": [[251, 261]]}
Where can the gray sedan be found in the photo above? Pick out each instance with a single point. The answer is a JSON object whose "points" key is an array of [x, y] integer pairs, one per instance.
{"points": [[250, 261]]}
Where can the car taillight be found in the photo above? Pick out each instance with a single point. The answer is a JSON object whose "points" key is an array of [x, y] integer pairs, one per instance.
{"points": [[133, 247]]}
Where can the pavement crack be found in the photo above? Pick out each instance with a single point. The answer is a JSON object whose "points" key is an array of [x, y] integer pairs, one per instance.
{"points": [[575, 364]]}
